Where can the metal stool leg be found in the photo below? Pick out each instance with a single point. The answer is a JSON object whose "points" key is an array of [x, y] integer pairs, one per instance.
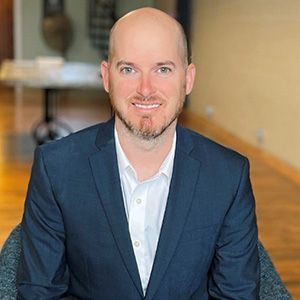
{"points": [[50, 128]]}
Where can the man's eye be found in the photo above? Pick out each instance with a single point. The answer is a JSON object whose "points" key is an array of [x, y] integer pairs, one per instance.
{"points": [[127, 70], [164, 70]]}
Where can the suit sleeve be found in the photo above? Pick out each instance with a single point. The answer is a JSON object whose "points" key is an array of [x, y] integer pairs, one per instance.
{"points": [[235, 270], [43, 272]]}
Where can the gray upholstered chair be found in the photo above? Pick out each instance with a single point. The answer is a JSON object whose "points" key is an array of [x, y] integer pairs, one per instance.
{"points": [[271, 286], [9, 259]]}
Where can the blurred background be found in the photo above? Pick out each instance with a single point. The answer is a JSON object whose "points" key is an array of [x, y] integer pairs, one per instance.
{"points": [[246, 95]]}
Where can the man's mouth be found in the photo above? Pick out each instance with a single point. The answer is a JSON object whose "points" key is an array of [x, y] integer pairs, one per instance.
{"points": [[147, 106]]}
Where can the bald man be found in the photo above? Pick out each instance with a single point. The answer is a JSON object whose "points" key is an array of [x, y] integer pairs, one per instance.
{"points": [[139, 207]]}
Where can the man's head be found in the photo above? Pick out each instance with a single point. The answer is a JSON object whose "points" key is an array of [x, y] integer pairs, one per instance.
{"points": [[147, 74]]}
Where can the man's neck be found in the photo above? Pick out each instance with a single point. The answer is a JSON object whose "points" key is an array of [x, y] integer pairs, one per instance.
{"points": [[146, 156]]}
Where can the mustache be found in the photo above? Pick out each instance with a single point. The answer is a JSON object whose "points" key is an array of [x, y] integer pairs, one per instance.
{"points": [[140, 98]]}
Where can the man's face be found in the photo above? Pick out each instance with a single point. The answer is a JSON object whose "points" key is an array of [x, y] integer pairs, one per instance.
{"points": [[147, 79]]}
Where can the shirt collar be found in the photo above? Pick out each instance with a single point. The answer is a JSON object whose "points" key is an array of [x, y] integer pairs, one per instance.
{"points": [[124, 165], [123, 162]]}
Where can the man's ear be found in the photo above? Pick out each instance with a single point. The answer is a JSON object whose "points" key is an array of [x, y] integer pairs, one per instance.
{"points": [[105, 75], [190, 78]]}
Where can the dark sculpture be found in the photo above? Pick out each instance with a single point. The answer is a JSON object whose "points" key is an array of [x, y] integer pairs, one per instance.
{"points": [[58, 33]]}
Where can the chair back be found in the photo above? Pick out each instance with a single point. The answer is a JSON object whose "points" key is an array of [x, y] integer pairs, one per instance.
{"points": [[9, 260], [271, 285]]}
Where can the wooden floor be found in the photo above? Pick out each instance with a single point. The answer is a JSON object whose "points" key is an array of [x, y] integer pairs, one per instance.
{"points": [[277, 196]]}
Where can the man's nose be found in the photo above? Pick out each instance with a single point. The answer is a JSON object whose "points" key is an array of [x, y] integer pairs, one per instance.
{"points": [[145, 87]]}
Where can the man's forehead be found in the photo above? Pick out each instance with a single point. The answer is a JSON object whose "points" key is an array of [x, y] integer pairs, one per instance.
{"points": [[145, 40], [148, 33]]}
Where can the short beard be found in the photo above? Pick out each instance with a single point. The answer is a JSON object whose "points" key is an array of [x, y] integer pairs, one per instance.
{"points": [[144, 132]]}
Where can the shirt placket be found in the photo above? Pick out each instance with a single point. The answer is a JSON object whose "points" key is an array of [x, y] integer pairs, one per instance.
{"points": [[137, 229]]}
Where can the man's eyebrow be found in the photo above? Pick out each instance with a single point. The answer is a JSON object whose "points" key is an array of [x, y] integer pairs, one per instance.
{"points": [[166, 63], [123, 62], [159, 64]]}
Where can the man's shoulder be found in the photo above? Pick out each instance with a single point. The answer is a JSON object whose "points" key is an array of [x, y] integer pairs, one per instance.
{"points": [[207, 149], [82, 141]]}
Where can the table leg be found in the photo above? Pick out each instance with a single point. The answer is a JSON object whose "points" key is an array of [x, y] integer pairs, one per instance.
{"points": [[50, 128]]}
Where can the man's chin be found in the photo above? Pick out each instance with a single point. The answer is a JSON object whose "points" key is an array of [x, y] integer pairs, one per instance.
{"points": [[145, 129], [147, 133]]}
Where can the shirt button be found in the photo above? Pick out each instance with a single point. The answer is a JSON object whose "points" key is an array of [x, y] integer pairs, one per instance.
{"points": [[136, 243], [138, 201]]}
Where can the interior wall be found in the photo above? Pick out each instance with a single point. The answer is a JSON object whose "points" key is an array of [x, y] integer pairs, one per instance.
{"points": [[247, 55], [168, 6], [125, 6]]}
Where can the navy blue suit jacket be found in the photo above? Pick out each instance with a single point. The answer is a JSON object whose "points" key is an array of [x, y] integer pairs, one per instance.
{"points": [[75, 235]]}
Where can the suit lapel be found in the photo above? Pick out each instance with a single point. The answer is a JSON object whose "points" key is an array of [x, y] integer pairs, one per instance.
{"points": [[184, 179], [106, 175]]}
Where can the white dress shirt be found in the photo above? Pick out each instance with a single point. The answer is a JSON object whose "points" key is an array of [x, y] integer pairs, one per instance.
{"points": [[145, 204]]}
